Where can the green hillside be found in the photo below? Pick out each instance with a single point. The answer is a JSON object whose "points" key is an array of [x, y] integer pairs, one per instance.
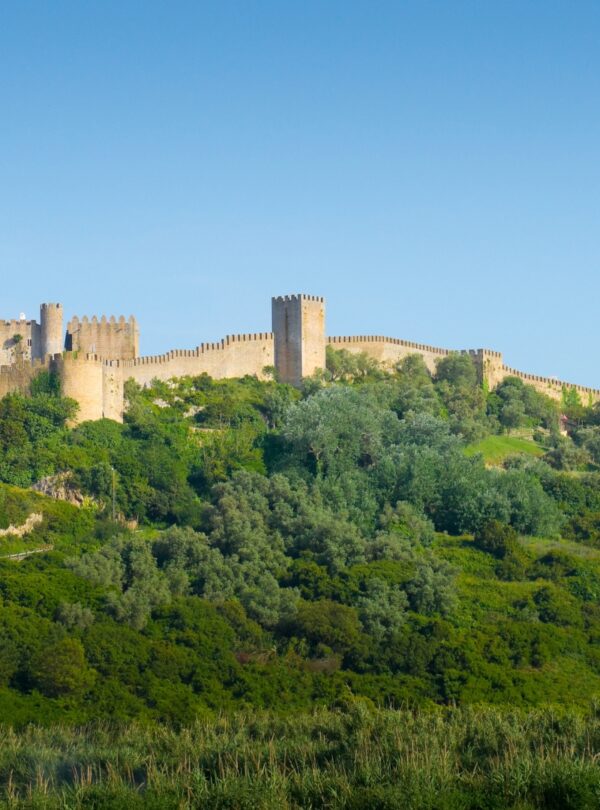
{"points": [[243, 546]]}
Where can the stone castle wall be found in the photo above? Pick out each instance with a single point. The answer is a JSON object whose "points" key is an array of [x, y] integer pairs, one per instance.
{"points": [[109, 338], [19, 377], [554, 388], [296, 348], [234, 356], [96, 384], [388, 351], [490, 366], [28, 348]]}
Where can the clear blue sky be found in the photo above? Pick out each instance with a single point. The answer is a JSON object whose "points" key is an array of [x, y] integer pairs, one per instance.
{"points": [[432, 168]]}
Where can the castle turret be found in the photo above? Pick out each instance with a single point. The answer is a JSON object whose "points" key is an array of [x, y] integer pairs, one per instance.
{"points": [[490, 367], [51, 323], [299, 330], [110, 338]]}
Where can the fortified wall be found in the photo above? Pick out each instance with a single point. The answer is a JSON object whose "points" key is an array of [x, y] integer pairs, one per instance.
{"points": [[19, 340], [96, 356], [108, 338], [490, 365], [27, 341], [19, 377]]}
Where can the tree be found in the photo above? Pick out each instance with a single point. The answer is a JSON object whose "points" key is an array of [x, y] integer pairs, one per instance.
{"points": [[60, 669], [497, 539], [588, 438], [457, 369], [328, 624], [74, 616], [382, 608], [462, 395], [515, 404], [350, 366], [337, 429]]}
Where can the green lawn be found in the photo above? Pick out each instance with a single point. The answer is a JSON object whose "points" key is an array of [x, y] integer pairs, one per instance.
{"points": [[495, 449]]}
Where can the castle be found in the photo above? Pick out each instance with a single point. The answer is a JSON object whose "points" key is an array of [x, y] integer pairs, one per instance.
{"points": [[94, 357]]}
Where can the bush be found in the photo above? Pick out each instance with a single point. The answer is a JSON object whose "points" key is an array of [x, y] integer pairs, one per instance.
{"points": [[60, 669], [497, 539]]}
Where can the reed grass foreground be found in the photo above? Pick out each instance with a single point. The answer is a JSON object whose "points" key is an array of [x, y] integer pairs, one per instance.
{"points": [[451, 759]]}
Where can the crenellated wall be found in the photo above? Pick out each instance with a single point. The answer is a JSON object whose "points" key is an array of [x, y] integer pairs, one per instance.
{"points": [[109, 338], [97, 384], [102, 354], [490, 365], [554, 388], [234, 356], [387, 350]]}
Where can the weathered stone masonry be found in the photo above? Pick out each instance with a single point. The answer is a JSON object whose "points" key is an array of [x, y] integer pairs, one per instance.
{"points": [[94, 357]]}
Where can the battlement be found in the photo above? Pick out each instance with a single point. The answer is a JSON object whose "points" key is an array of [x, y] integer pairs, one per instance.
{"points": [[84, 357], [485, 353], [16, 323], [94, 319], [203, 348], [110, 337], [281, 299], [418, 347], [551, 383], [102, 352], [36, 365]]}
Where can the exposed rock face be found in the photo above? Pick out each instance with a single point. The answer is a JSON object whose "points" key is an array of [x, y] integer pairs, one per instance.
{"points": [[20, 531], [61, 488]]}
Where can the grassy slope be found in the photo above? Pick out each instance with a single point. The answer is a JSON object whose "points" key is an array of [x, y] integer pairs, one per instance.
{"points": [[495, 449]]}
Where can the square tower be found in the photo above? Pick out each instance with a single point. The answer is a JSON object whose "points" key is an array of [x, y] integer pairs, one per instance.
{"points": [[299, 332], [109, 338]]}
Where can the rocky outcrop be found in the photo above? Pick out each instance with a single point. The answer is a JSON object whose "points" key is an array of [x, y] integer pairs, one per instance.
{"points": [[61, 488], [20, 531]]}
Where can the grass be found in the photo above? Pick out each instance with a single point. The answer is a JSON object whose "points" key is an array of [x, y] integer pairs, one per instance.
{"points": [[540, 546], [448, 759], [496, 449]]}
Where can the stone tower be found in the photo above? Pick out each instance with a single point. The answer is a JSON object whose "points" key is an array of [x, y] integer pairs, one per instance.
{"points": [[299, 331], [51, 323]]}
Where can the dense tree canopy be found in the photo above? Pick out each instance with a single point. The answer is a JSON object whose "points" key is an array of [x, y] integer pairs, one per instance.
{"points": [[403, 534]]}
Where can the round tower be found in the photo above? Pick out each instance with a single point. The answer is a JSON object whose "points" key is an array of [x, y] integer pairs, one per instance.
{"points": [[51, 322], [82, 380]]}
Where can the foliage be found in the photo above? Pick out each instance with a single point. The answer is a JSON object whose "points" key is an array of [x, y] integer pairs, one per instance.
{"points": [[342, 365], [497, 539], [515, 405], [280, 548]]}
